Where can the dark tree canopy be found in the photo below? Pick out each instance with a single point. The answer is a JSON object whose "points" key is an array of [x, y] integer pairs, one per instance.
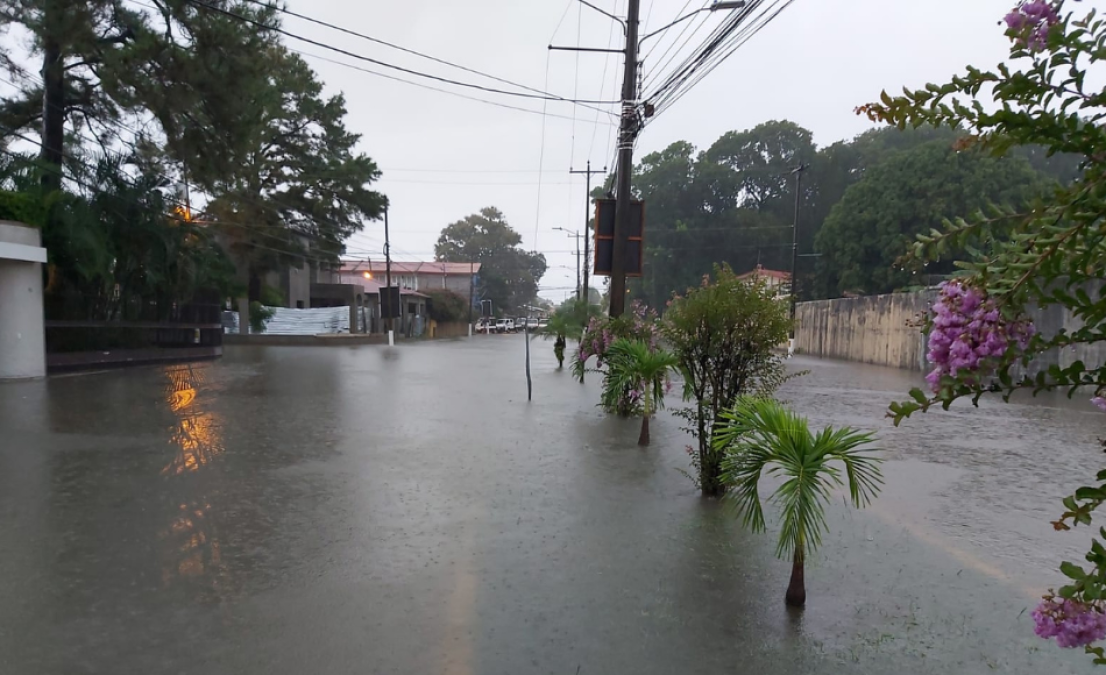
{"points": [[298, 186], [199, 93], [735, 203], [509, 276], [909, 194]]}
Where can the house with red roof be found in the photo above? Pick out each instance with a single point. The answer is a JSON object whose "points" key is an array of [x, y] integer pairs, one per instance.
{"points": [[778, 281]]}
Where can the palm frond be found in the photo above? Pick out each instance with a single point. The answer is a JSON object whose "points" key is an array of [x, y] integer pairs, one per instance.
{"points": [[759, 436]]}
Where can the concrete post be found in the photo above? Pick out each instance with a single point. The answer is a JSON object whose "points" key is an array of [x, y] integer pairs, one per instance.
{"points": [[243, 316], [22, 328]]}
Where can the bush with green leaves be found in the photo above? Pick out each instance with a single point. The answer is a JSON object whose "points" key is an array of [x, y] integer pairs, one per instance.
{"points": [[726, 334], [758, 436], [1051, 253], [640, 323], [445, 305], [115, 250]]}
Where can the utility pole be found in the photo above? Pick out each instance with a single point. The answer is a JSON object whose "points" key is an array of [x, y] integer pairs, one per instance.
{"points": [[577, 267], [627, 132], [577, 235], [588, 236], [388, 274], [795, 242], [472, 290]]}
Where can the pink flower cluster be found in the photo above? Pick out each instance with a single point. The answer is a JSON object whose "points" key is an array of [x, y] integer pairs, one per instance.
{"points": [[596, 341], [1072, 623], [1032, 22], [601, 331], [968, 330]]}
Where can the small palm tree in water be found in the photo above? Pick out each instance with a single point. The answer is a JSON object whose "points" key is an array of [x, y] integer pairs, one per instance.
{"points": [[640, 374], [759, 436], [567, 322]]}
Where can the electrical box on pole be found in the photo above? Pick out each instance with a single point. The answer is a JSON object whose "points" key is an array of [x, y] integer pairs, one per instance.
{"points": [[389, 302], [604, 238]]}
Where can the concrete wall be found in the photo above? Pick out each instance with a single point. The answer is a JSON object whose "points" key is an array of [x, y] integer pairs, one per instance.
{"points": [[883, 330], [450, 329], [22, 327], [873, 329]]}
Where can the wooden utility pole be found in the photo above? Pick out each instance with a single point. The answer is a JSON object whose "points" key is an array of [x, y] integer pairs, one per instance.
{"points": [[590, 231], [627, 132], [795, 242]]}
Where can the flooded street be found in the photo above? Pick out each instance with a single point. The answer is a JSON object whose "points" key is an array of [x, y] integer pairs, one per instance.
{"points": [[374, 510]]}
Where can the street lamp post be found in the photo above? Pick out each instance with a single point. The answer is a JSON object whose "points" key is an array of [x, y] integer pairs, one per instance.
{"points": [[577, 235]]}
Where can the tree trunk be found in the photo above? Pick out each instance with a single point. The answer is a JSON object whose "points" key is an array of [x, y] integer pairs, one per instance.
{"points": [[796, 590], [709, 471], [643, 439], [53, 97]]}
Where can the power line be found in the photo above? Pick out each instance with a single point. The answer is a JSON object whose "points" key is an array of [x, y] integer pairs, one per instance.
{"points": [[683, 30], [409, 71], [723, 43], [576, 82], [432, 88], [409, 82], [413, 52], [445, 182], [603, 86]]}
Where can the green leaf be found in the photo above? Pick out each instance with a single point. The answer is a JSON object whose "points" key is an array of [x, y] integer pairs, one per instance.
{"points": [[1072, 571]]}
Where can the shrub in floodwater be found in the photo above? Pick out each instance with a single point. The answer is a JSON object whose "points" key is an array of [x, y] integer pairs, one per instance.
{"points": [[635, 366], [1047, 254], [726, 334], [758, 436]]}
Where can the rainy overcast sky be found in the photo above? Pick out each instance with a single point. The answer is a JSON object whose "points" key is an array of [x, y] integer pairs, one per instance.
{"points": [[444, 157]]}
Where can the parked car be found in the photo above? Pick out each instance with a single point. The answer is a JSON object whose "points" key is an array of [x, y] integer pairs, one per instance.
{"points": [[501, 325]]}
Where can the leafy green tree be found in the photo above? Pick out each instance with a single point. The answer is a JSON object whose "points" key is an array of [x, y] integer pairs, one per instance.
{"points": [[192, 69], [732, 203], [509, 276], [299, 188], [725, 333], [757, 436], [911, 193], [1048, 253], [115, 251], [445, 305], [636, 366], [751, 169]]}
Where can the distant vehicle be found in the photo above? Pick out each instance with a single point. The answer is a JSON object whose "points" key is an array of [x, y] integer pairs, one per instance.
{"points": [[501, 325], [486, 325]]}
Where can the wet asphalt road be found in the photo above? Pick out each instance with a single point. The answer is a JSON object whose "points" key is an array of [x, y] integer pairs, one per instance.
{"points": [[373, 510]]}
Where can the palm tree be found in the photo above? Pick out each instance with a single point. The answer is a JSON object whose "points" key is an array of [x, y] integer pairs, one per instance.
{"points": [[567, 322], [640, 372], [759, 436]]}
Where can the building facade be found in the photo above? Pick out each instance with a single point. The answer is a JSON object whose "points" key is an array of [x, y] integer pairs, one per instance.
{"points": [[460, 278]]}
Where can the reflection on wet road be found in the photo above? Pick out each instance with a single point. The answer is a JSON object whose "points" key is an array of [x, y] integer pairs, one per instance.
{"points": [[365, 510]]}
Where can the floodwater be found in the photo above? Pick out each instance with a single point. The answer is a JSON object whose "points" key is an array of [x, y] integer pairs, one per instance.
{"points": [[375, 510]]}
